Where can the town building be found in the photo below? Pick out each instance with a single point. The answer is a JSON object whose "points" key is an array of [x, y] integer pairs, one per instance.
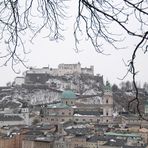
{"points": [[69, 109], [37, 142]]}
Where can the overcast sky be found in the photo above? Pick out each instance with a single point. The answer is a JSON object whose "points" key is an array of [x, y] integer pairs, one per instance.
{"points": [[51, 53], [47, 53]]}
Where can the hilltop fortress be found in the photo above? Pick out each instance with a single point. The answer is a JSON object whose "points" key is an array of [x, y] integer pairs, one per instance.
{"points": [[41, 75], [63, 69]]}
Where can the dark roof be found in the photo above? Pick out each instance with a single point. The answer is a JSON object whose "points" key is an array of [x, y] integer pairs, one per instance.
{"points": [[96, 113], [96, 138], [40, 127], [34, 132], [5, 117], [101, 126], [115, 142], [79, 131], [68, 123], [126, 146]]}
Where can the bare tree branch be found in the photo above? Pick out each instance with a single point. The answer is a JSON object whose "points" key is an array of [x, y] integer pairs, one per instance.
{"points": [[20, 17], [133, 71]]}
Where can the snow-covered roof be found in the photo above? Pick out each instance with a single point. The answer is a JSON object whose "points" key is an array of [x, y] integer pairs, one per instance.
{"points": [[58, 105]]}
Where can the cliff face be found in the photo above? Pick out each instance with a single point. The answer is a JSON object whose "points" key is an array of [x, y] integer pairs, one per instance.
{"points": [[42, 90], [79, 83]]}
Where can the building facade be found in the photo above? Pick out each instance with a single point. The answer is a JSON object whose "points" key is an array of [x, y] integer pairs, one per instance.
{"points": [[70, 110]]}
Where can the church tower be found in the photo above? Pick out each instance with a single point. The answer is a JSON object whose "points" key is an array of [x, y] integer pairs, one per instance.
{"points": [[107, 104], [25, 113]]}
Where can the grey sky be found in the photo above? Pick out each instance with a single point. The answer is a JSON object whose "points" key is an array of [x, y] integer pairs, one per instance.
{"points": [[45, 52]]}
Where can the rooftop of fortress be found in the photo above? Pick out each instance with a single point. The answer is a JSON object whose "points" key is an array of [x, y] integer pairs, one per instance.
{"points": [[72, 67]]}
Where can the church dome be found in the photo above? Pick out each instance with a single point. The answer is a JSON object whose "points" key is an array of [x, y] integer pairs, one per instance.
{"points": [[68, 94]]}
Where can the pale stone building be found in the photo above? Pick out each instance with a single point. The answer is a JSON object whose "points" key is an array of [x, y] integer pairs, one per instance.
{"points": [[37, 142], [19, 81], [69, 69], [69, 110], [41, 75], [63, 111], [107, 106]]}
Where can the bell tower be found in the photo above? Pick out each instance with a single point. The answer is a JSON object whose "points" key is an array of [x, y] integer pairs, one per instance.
{"points": [[107, 104]]}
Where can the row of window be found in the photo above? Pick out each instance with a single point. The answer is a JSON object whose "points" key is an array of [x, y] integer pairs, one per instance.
{"points": [[67, 102], [68, 113], [52, 119], [91, 120], [76, 145]]}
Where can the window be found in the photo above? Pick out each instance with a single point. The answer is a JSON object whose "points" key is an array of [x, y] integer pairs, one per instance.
{"points": [[98, 120], [63, 120], [146, 109], [52, 119], [107, 114], [107, 101], [77, 119], [62, 113]]}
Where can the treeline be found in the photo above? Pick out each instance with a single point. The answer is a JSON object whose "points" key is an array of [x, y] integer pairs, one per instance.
{"points": [[128, 87]]}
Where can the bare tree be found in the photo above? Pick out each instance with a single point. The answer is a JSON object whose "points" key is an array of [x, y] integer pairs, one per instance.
{"points": [[20, 17], [95, 19], [98, 16]]}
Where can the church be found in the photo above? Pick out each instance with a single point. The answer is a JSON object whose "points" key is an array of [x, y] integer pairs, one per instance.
{"points": [[70, 108]]}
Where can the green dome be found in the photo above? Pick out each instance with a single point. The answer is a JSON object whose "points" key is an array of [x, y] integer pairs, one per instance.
{"points": [[68, 94]]}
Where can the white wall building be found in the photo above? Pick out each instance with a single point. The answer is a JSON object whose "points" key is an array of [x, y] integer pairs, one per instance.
{"points": [[19, 81]]}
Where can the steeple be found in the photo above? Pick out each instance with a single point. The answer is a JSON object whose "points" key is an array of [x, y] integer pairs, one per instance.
{"points": [[107, 103]]}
